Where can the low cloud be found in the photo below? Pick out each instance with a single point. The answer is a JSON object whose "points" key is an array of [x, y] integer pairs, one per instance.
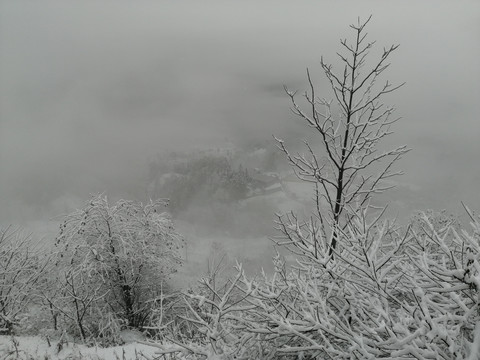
{"points": [[90, 90]]}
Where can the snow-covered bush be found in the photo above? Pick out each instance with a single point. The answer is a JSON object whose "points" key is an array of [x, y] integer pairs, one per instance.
{"points": [[21, 268], [212, 321], [386, 294], [113, 261]]}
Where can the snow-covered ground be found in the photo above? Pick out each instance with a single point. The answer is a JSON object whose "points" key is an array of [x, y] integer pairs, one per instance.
{"points": [[34, 347]]}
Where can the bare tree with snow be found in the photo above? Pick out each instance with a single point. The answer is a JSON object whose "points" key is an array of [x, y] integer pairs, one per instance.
{"points": [[351, 167]]}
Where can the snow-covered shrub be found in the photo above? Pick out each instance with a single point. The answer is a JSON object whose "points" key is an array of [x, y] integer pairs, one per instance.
{"points": [[21, 269], [385, 294], [113, 261], [212, 321]]}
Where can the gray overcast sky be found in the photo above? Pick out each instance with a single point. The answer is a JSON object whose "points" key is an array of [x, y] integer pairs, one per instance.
{"points": [[90, 89]]}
